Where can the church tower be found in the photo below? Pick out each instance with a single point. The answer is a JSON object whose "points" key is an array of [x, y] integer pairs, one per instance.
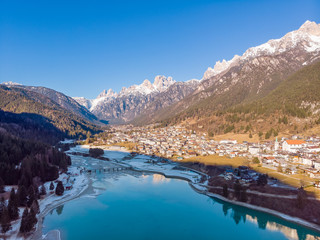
{"points": [[276, 145]]}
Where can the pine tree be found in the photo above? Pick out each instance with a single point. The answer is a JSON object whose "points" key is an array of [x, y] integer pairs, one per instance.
{"points": [[36, 192], [22, 195], [5, 221], [51, 186], [1, 186], [24, 219], [63, 165], [13, 206], [59, 189], [2, 206], [31, 196], [43, 190], [32, 220], [35, 206]]}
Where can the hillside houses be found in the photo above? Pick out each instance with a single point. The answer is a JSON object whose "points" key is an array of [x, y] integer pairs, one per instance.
{"points": [[179, 143]]}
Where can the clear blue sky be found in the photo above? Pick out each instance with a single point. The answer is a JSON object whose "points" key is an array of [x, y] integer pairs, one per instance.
{"points": [[82, 47]]}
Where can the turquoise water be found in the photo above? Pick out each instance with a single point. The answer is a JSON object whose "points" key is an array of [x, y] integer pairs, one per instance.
{"points": [[154, 207]]}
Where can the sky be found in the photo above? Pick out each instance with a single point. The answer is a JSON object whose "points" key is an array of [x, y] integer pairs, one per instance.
{"points": [[81, 48]]}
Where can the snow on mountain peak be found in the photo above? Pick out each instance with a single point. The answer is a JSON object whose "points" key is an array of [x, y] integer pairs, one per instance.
{"points": [[219, 67], [110, 93], [307, 37], [310, 27], [11, 84], [161, 83]]}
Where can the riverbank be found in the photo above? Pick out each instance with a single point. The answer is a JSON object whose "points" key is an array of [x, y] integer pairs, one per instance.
{"points": [[283, 216], [202, 190], [82, 182]]}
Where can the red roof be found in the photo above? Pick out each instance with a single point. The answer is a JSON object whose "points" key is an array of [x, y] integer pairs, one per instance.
{"points": [[295, 142]]}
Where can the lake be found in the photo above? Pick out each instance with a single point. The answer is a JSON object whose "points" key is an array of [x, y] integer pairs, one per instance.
{"points": [[150, 206]]}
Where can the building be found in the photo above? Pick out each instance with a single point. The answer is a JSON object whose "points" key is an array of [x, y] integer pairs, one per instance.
{"points": [[253, 150], [293, 145], [276, 145]]}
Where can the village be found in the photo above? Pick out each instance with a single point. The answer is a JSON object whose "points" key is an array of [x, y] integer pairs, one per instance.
{"points": [[294, 155]]}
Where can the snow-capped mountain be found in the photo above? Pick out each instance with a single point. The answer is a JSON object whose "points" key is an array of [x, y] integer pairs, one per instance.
{"points": [[137, 99], [307, 37], [253, 75], [249, 76]]}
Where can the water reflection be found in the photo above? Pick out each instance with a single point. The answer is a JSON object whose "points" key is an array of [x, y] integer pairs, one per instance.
{"points": [[270, 223], [158, 178], [139, 197], [59, 209]]}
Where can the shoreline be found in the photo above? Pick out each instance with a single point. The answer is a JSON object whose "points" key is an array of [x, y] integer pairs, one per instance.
{"points": [[283, 216], [280, 215], [38, 234]]}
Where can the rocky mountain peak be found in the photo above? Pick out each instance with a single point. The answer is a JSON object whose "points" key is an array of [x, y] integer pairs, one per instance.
{"points": [[310, 27], [110, 93], [219, 67], [147, 84], [307, 37], [161, 83]]}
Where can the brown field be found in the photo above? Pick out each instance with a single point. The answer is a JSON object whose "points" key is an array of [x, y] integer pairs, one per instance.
{"points": [[293, 180], [216, 160]]}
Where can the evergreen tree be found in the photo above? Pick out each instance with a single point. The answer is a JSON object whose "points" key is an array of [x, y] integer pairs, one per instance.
{"points": [[262, 180], [13, 206], [5, 221], [22, 196], [2, 206], [31, 196], [43, 190], [32, 220], [36, 192], [59, 189], [35, 206], [24, 219], [225, 190], [51, 186], [1, 186], [63, 165]]}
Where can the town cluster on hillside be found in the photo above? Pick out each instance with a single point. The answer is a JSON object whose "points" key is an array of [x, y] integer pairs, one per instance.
{"points": [[285, 155]]}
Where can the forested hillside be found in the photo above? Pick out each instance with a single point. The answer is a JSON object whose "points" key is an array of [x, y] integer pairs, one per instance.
{"points": [[18, 100], [292, 107], [25, 162]]}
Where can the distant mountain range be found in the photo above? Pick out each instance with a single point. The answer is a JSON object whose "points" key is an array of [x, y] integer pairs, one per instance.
{"points": [[241, 80], [145, 98], [252, 84]]}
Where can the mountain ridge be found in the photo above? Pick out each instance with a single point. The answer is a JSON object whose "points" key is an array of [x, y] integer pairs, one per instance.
{"points": [[248, 77]]}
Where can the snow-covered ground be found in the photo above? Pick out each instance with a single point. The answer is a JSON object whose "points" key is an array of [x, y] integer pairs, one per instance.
{"points": [[142, 163], [97, 182]]}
